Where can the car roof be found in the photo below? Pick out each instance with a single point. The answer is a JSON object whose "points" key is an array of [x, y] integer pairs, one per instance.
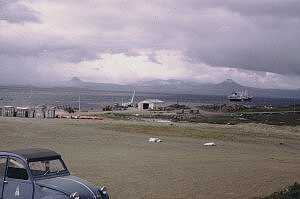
{"points": [[34, 154]]}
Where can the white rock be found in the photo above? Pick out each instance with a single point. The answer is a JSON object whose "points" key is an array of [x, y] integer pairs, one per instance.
{"points": [[210, 144], [155, 140]]}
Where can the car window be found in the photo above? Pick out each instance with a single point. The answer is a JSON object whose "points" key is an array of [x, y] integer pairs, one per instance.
{"points": [[16, 170], [46, 167], [2, 166]]}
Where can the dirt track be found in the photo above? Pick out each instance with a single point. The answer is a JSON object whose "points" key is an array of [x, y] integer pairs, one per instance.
{"points": [[248, 160]]}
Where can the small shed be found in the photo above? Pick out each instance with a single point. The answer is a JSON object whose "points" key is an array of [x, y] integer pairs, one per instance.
{"points": [[40, 112], [8, 111], [150, 104], [31, 113], [50, 113], [22, 112]]}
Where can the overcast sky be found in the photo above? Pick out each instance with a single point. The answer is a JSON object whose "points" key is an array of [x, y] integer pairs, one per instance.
{"points": [[254, 42]]}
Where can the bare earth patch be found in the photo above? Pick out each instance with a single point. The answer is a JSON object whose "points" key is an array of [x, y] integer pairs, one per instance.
{"points": [[250, 160]]}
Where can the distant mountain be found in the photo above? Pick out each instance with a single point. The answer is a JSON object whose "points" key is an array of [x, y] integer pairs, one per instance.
{"points": [[224, 88], [179, 86], [174, 86], [76, 82], [229, 83]]}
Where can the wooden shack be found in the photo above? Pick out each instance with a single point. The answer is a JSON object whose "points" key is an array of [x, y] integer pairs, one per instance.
{"points": [[31, 113], [40, 112], [150, 104], [8, 111], [50, 113], [22, 112]]}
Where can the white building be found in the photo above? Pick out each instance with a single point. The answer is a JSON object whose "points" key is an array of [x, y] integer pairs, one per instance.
{"points": [[149, 104], [40, 112], [22, 112], [8, 111], [50, 113]]}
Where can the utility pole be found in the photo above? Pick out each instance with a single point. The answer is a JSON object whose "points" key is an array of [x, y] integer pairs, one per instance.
{"points": [[1, 113], [294, 111], [30, 96], [79, 101]]}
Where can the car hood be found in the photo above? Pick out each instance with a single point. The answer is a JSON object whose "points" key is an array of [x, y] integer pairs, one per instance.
{"points": [[69, 185]]}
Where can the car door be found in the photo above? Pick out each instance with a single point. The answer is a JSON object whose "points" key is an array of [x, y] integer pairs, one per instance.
{"points": [[3, 161], [17, 181]]}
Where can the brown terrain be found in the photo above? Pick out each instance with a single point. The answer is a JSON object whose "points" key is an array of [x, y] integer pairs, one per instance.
{"points": [[249, 160]]}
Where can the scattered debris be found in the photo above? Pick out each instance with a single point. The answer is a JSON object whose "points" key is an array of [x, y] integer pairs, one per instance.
{"points": [[82, 117], [163, 121], [157, 140], [210, 144], [86, 117]]}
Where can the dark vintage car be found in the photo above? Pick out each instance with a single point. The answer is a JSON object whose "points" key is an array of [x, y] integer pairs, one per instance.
{"points": [[42, 174]]}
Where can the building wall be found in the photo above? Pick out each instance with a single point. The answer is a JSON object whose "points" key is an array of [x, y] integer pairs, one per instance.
{"points": [[146, 106], [22, 113], [50, 113], [39, 112], [8, 112], [31, 113]]}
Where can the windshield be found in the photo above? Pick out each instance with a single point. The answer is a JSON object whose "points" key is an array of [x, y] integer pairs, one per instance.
{"points": [[47, 167]]}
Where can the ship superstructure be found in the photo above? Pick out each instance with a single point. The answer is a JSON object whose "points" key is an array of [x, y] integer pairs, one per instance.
{"points": [[240, 96]]}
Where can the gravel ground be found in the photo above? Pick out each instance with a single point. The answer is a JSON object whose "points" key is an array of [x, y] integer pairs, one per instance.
{"points": [[249, 160]]}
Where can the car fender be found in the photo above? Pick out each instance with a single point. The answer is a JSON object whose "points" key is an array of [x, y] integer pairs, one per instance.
{"points": [[44, 192]]}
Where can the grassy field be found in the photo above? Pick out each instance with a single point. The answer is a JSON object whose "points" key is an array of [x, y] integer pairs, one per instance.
{"points": [[285, 118], [250, 160]]}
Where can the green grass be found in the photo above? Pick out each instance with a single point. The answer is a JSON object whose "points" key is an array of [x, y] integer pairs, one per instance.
{"points": [[291, 192]]}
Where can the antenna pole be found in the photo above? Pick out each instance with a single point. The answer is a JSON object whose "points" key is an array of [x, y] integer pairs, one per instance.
{"points": [[294, 110], [294, 106], [79, 103], [30, 96]]}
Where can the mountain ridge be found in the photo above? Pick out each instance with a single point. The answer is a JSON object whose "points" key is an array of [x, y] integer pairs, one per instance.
{"points": [[174, 86]]}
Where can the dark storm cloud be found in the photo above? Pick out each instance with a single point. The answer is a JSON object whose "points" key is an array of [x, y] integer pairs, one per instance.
{"points": [[260, 35], [276, 8], [13, 11], [253, 35]]}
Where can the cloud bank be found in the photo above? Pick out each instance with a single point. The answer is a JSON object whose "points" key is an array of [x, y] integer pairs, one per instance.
{"points": [[253, 42]]}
